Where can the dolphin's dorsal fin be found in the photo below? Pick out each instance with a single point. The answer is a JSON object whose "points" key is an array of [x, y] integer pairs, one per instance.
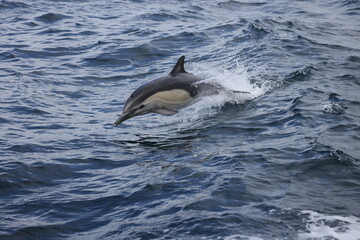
{"points": [[179, 66]]}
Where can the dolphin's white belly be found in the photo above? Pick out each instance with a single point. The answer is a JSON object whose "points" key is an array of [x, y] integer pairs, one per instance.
{"points": [[173, 99]]}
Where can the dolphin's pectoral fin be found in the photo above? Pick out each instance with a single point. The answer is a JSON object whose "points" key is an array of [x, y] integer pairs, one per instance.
{"points": [[165, 111]]}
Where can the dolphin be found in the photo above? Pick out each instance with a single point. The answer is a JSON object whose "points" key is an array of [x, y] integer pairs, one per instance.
{"points": [[167, 95]]}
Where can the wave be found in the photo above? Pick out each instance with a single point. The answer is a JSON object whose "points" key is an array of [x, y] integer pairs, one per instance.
{"points": [[51, 17], [323, 226], [12, 4]]}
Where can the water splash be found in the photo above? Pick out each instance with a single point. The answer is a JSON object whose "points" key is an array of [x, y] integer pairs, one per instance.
{"points": [[233, 79], [321, 226]]}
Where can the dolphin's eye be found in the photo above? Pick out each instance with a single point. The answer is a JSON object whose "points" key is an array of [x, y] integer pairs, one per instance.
{"points": [[142, 106], [132, 96]]}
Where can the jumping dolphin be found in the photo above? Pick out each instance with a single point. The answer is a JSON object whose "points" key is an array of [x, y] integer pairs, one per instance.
{"points": [[166, 95]]}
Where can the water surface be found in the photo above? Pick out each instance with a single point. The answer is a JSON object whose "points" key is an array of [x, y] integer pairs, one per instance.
{"points": [[282, 163]]}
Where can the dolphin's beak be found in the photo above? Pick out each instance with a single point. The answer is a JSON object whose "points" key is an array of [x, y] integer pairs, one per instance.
{"points": [[123, 117]]}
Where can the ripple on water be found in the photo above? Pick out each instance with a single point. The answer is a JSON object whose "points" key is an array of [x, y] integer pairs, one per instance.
{"points": [[238, 5], [124, 56], [27, 110], [4, 120], [13, 4], [157, 17], [180, 39], [23, 148], [108, 60], [26, 177], [7, 55]]}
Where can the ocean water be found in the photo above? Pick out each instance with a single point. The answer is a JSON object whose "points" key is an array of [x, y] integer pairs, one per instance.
{"points": [[280, 163]]}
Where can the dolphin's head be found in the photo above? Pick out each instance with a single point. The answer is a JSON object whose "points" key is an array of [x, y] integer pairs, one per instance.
{"points": [[135, 106]]}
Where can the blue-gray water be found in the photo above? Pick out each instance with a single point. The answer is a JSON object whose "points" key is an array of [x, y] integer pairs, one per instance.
{"points": [[281, 164]]}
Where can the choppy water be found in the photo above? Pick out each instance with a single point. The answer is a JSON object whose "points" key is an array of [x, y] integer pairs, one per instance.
{"points": [[281, 164]]}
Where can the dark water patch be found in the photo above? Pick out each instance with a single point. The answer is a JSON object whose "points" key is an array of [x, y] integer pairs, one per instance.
{"points": [[14, 45], [210, 205], [71, 65], [120, 79], [285, 24], [139, 31], [107, 60], [157, 17], [334, 138], [349, 3], [12, 4], [318, 160], [153, 143], [39, 232], [321, 44], [243, 131], [105, 17], [24, 148], [353, 11], [140, 55], [25, 110], [197, 13], [31, 24], [69, 1], [349, 78], [226, 198], [355, 59], [51, 31], [7, 55], [295, 104], [37, 73], [45, 127], [71, 35], [73, 94], [180, 39], [37, 175], [87, 33], [237, 5], [101, 42], [95, 163], [334, 97], [51, 17], [62, 51], [187, 174], [198, 226], [25, 53], [4, 120]]}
